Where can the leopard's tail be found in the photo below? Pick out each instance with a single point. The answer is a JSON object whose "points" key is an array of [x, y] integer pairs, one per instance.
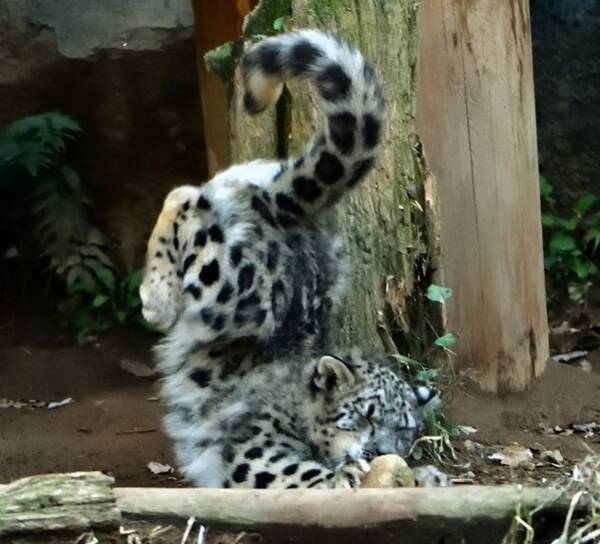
{"points": [[342, 152]]}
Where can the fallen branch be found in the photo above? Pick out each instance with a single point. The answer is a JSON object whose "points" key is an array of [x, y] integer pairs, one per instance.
{"points": [[336, 508], [81, 501]]}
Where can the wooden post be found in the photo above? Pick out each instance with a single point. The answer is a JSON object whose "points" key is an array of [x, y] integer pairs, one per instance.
{"points": [[476, 117], [216, 22]]}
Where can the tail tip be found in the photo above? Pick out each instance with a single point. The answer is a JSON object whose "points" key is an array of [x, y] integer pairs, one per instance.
{"points": [[251, 104]]}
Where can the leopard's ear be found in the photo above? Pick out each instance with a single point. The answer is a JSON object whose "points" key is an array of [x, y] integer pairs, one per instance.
{"points": [[333, 373]]}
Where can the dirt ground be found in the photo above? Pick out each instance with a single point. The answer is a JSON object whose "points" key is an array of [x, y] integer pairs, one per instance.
{"points": [[113, 423]]}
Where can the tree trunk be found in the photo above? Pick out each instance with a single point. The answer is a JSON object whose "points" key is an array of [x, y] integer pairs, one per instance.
{"points": [[476, 119], [388, 222]]}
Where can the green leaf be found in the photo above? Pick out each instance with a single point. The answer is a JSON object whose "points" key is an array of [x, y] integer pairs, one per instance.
{"points": [[223, 59], [427, 375], [446, 341], [279, 24], [549, 262], [133, 281], [438, 293], [569, 224], [585, 203], [592, 237], [562, 242], [121, 316], [546, 188], [548, 220], [83, 337], [33, 142], [262, 19], [106, 277], [83, 320], [99, 300], [592, 220], [79, 287], [581, 269]]}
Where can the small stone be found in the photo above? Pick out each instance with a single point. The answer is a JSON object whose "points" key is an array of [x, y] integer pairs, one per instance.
{"points": [[160, 468], [389, 471], [137, 368], [553, 456]]}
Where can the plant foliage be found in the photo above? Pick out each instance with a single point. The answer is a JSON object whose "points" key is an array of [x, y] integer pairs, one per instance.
{"points": [[32, 162], [34, 143], [571, 241], [31, 152], [94, 307]]}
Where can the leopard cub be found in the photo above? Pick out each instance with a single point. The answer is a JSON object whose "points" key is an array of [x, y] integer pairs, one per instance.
{"points": [[246, 275], [314, 422]]}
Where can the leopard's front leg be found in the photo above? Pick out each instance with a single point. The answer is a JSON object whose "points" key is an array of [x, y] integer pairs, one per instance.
{"points": [[348, 475]]}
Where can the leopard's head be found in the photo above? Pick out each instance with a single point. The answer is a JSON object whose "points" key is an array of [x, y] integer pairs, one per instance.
{"points": [[362, 408]]}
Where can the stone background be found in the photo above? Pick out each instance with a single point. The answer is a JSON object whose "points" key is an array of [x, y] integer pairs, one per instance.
{"points": [[126, 71]]}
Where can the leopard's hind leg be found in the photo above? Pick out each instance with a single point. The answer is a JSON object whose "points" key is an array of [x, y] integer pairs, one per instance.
{"points": [[161, 289]]}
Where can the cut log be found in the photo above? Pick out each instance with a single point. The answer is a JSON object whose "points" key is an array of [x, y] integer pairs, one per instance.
{"points": [[337, 508], [83, 501], [51, 502]]}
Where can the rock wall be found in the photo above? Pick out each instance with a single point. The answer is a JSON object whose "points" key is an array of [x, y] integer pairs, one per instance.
{"points": [[126, 70], [566, 49]]}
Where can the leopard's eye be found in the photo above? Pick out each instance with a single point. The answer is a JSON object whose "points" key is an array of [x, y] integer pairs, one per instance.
{"points": [[370, 412], [346, 422]]}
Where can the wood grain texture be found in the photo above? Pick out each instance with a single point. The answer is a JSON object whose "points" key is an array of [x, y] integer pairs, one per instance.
{"points": [[79, 501], [216, 23], [476, 117]]}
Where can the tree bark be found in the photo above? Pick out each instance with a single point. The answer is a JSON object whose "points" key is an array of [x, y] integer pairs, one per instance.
{"points": [[388, 223], [341, 508], [52, 502]]}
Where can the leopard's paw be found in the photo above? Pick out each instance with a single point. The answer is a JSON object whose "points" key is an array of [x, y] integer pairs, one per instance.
{"points": [[161, 303], [430, 476], [350, 475]]}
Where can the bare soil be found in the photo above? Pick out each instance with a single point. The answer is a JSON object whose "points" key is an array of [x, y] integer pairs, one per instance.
{"points": [[113, 424]]}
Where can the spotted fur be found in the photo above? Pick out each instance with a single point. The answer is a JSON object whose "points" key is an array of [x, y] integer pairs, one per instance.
{"points": [[252, 252], [241, 421], [246, 274]]}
